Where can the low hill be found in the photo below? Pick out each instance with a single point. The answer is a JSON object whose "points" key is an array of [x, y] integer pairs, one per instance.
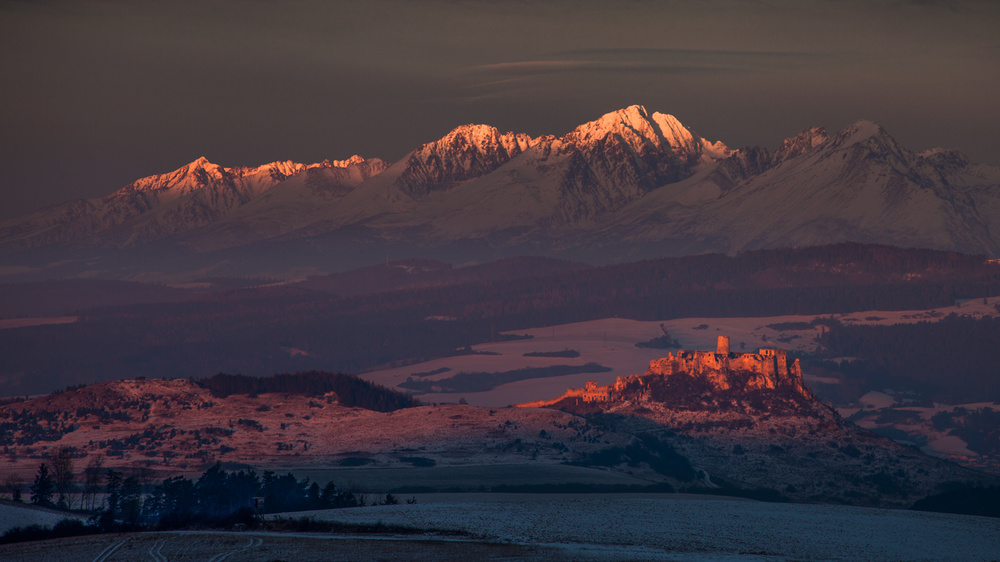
{"points": [[682, 425]]}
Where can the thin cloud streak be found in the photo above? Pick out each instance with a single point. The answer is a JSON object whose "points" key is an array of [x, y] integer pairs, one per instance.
{"points": [[556, 66]]}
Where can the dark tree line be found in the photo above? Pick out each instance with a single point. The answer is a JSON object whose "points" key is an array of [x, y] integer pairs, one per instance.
{"points": [[351, 391], [953, 360], [482, 381], [216, 499], [181, 502]]}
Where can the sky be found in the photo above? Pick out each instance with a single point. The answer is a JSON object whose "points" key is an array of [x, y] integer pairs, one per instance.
{"points": [[95, 94]]}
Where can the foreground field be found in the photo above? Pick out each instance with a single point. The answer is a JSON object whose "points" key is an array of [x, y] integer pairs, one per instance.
{"points": [[556, 527], [262, 547], [664, 528]]}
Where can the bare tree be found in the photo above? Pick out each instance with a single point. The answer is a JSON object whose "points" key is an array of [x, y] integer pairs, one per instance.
{"points": [[13, 485], [92, 479], [62, 475]]}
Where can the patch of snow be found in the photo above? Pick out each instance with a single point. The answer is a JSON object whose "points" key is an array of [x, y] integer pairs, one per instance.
{"points": [[948, 445], [875, 399], [13, 515], [9, 323]]}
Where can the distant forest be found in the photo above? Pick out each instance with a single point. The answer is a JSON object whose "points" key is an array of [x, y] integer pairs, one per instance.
{"points": [[351, 391], [289, 328], [955, 360], [483, 381]]}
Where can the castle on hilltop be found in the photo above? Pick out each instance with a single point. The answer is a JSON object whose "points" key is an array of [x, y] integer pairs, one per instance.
{"points": [[766, 369], [769, 366]]}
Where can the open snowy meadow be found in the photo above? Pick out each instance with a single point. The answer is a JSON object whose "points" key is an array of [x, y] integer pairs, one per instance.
{"points": [[681, 528]]}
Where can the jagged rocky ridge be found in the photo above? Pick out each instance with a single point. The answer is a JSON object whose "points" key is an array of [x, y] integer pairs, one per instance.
{"points": [[629, 184]]}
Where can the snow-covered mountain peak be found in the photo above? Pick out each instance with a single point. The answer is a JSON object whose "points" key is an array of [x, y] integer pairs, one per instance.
{"points": [[473, 133], [355, 159], [630, 123], [483, 139], [190, 176], [280, 168], [201, 163], [859, 132], [800, 144], [673, 131], [466, 152], [870, 140], [641, 131]]}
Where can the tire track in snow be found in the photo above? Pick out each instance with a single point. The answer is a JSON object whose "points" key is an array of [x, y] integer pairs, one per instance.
{"points": [[254, 543], [111, 549], [156, 551]]}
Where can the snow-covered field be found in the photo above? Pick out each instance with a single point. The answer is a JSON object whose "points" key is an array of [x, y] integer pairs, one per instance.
{"points": [[565, 526], [22, 516], [700, 529], [10, 323]]}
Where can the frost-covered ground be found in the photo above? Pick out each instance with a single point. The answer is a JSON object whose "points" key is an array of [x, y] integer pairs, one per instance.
{"points": [[695, 529], [12, 515]]}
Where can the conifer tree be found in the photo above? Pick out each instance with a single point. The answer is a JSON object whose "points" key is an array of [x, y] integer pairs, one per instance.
{"points": [[43, 488]]}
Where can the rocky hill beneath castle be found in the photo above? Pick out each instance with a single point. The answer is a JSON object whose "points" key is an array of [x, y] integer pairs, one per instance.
{"points": [[182, 426], [630, 184], [748, 418]]}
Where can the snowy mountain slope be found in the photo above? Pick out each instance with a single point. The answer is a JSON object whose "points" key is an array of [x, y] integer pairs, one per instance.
{"points": [[288, 205], [546, 185], [859, 185], [150, 208]]}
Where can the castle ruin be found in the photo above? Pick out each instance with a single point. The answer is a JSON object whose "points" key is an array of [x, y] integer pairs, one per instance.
{"points": [[769, 367], [766, 369]]}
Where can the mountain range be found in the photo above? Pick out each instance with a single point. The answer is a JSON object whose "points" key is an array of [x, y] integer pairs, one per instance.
{"points": [[631, 184]]}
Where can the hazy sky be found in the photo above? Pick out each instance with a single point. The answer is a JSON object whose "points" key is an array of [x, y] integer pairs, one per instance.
{"points": [[96, 94]]}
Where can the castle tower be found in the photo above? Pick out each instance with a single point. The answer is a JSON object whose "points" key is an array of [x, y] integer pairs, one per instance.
{"points": [[782, 358], [723, 348]]}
